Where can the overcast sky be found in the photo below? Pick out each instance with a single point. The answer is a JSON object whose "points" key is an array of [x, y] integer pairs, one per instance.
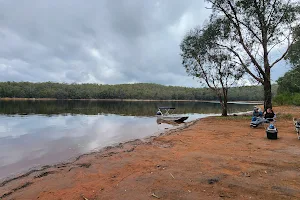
{"points": [[98, 41]]}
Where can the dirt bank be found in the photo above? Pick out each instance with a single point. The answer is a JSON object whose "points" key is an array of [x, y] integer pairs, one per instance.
{"points": [[216, 158]]}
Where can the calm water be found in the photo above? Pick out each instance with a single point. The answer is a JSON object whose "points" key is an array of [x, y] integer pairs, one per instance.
{"points": [[36, 133]]}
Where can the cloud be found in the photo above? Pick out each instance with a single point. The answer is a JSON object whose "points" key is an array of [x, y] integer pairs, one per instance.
{"points": [[99, 41]]}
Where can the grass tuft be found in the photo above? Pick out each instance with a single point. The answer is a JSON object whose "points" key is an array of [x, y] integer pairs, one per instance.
{"points": [[285, 116]]}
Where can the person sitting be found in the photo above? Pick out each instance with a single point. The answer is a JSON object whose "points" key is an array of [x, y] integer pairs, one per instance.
{"points": [[257, 117], [269, 114], [256, 112]]}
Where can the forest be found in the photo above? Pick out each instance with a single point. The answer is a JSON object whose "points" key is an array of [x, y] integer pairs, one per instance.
{"points": [[146, 91]]}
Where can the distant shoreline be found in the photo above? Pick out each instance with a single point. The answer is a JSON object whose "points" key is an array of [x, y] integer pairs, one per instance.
{"points": [[53, 99]]}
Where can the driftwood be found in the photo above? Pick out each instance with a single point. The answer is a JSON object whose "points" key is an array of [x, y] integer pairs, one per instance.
{"points": [[172, 176], [84, 197], [154, 195]]}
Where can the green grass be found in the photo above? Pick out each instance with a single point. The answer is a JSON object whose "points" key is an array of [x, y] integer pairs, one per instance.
{"points": [[285, 116]]}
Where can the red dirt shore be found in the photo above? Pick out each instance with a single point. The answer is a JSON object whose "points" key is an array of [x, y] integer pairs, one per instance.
{"points": [[215, 158]]}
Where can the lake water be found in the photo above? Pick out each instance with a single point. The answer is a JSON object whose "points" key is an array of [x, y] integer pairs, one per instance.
{"points": [[36, 133]]}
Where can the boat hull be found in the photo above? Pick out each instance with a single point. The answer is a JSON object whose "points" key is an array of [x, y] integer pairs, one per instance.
{"points": [[175, 118]]}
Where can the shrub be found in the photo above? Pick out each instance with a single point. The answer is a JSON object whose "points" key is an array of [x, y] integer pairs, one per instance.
{"points": [[283, 99], [296, 99]]}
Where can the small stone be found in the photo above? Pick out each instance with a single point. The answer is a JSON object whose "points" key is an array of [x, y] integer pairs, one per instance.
{"points": [[246, 174]]}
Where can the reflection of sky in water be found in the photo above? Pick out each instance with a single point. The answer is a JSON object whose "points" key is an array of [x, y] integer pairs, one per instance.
{"points": [[34, 140]]}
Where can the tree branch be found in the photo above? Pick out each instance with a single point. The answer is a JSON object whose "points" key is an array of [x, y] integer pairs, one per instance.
{"points": [[240, 22], [242, 63], [242, 41], [204, 74], [283, 55], [276, 24], [271, 12], [287, 37]]}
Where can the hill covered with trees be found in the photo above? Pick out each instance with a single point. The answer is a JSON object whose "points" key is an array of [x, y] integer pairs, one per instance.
{"points": [[123, 91]]}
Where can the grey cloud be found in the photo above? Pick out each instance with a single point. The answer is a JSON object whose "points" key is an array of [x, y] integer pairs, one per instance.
{"points": [[99, 41]]}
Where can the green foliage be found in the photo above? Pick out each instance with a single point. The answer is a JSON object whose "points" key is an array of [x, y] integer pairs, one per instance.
{"points": [[287, 99], [290, 82], [213, 67], [296, 99], [289, 88], [249, 31], [294, 51], [123, 91], [282, 99]]}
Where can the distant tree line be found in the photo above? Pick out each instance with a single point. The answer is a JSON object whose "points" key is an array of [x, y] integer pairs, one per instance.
{"points": [[123, 91]]}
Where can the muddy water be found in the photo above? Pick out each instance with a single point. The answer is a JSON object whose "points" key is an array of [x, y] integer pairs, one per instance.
{"points": [[46, 132]]}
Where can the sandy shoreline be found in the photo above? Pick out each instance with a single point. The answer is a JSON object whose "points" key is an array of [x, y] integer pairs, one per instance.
{"points": [[168, 131], [212, 158]]}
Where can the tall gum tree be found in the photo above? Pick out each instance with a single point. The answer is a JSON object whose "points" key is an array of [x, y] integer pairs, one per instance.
{"points": [[256, 30], [213, 67]]}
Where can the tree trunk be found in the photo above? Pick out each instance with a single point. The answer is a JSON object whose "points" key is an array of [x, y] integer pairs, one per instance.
{"points": [[267, 75], [224, 109], [223, 102], [267, 94]]}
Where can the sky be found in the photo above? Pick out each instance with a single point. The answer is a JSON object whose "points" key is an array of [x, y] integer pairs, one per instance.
{"points": [[99, 41]]}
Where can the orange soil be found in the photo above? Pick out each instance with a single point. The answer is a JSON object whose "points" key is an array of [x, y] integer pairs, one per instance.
{"points": [[216, 158]]}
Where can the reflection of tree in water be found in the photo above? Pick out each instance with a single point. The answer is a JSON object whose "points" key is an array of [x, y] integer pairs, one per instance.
{"points": [[134, 108]]}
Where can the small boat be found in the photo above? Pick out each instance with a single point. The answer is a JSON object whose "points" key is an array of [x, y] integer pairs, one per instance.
{"points": [[173, 123], [166, 116]]}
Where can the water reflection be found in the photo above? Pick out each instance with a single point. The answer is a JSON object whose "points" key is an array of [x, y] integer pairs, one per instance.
{"points": [[48, 132], [131, 108], [37, 140]]}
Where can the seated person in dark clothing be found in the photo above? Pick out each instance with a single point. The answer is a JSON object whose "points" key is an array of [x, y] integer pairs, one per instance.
{"points": [[269, 114]]}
